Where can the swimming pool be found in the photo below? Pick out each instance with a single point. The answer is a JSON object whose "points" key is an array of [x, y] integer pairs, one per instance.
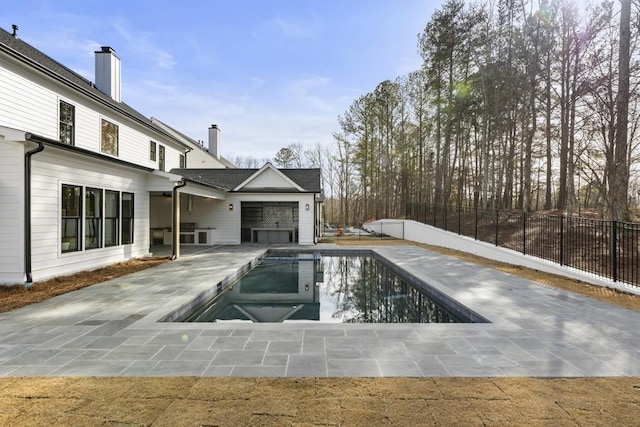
{"points": [[299, 287]]}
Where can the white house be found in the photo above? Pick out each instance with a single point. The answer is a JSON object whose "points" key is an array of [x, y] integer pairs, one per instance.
{"points": [[199, 156], [266, 205], [82, 174]]}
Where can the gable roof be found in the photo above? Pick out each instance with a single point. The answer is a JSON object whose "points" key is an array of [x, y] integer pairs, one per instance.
{"points": [[267, 167], [31, 56], [228, 179]]}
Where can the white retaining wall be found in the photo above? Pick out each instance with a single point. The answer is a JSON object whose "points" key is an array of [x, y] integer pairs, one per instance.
{"points": [[421, 233]]}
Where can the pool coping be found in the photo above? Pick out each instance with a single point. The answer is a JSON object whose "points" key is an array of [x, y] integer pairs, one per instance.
{"points": [[433, 292]]}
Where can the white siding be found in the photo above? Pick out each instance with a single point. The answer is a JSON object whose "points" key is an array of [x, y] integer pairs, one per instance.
{"points": [[30, 102], [226, 222], [201, 159], [11, 212], [206, 213], [51, 169], [306, 236], [268, 179], [26, 104], [216, 214], [161, 207]]}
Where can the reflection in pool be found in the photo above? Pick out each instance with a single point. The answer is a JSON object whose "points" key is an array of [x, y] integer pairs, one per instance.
{"points": [[336, 289]]}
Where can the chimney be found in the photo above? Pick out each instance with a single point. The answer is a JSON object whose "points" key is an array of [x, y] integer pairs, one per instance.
{"points": [[14, 27], [108, 75], [214, 141]]}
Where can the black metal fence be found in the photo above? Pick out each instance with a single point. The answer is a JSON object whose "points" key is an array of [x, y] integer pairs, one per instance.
{"points": [[607, 248]]}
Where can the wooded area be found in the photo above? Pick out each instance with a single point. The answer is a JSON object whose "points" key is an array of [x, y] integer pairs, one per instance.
{"points": [[518, 104]]}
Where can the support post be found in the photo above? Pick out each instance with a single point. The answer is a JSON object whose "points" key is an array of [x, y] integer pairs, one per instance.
{"points": [[175, 197]]}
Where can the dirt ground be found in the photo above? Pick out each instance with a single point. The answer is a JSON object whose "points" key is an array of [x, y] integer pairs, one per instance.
{"points": [[189, 401]]}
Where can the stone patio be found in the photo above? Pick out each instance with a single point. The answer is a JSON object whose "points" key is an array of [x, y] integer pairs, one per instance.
{"points": [[112, 329]]}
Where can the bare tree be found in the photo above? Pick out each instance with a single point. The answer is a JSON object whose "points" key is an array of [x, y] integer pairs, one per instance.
{"points": [[619, 170]]}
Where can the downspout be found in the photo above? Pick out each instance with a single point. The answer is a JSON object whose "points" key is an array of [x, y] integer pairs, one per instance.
{"points": [[316, 229], [175, 243], [27, 211], [187, 151]]}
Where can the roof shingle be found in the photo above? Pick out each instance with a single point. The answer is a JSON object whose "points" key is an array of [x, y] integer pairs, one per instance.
{"points": [[228, 179]]}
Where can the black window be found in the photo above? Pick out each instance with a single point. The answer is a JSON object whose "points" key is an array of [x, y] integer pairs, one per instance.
{"points": [[107, 215], [109, 138], [71, 216], [127, 218], [161, 161], [111, 218], [181, 160], [93, 218], [67, 123], [152, 151]]}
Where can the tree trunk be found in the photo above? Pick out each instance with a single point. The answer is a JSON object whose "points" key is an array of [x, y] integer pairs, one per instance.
{"points": [[549, 159], [619, 179]]}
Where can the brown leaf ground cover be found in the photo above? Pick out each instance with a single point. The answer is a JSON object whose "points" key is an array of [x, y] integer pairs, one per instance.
{"points": [[190, 401]]}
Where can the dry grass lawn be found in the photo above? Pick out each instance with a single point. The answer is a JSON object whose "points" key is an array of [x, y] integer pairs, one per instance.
{"points": [[189, 401]]}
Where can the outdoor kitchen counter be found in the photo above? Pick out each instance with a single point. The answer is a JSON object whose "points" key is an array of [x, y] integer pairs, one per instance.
{"points": [[196, 236]]}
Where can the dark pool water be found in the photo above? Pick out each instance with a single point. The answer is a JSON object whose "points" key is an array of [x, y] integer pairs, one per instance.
{"points": [[330, 289]]}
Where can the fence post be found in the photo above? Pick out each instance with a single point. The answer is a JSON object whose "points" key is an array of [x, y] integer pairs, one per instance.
{"points": [[561, 239], [445, 214], [614, 250], [476, 231], [497, 221], [434, 213], [524, 233]]}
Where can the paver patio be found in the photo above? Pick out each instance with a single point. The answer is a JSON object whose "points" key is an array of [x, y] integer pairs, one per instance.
{"points": [[112, 329]]}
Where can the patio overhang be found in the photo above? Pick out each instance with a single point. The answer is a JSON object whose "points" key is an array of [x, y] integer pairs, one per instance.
{"points": [[162, 183]]}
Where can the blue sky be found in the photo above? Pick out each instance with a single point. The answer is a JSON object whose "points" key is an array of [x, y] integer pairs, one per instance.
{"points": [[268, 72]]}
